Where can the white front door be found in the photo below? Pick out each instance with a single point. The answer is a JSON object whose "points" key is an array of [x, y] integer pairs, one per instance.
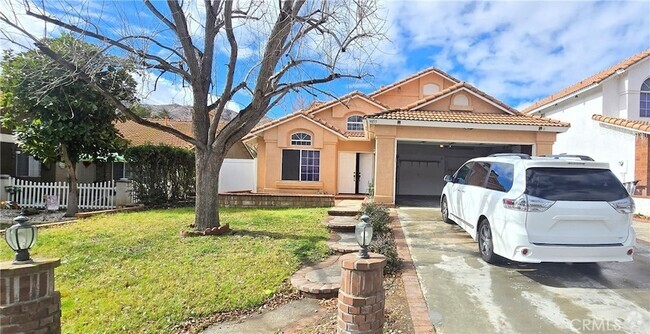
{"points": [[347, 172], [366, 172]]}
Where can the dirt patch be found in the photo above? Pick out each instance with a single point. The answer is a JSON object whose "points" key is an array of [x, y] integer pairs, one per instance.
{"points": [[397, 318], [641, 218], [40, 217]]}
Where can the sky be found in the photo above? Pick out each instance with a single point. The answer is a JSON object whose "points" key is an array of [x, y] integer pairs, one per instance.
{"points": [[516, 51]]}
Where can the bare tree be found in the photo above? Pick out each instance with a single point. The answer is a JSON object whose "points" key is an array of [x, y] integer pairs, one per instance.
{"points": [[260, 51]]}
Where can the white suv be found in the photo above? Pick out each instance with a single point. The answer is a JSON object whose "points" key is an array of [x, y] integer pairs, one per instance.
{"points": [[541, 209]]}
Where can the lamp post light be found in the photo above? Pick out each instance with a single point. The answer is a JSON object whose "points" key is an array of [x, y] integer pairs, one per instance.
{"points": [[21, 237], [363, 233]]}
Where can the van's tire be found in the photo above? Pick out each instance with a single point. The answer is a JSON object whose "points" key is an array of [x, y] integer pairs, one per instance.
{"points": [[444, 209], [485, 243]]}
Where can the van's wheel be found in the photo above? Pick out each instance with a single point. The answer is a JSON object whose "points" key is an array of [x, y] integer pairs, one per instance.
{"points": [[444, 209], [485, 244]]}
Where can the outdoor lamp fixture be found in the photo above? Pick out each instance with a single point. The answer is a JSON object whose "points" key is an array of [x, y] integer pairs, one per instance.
{"points": [[21, 237], [363, 233]]}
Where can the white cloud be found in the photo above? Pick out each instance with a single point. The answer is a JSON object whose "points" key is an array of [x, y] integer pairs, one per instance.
{"points": [[520, 51]]}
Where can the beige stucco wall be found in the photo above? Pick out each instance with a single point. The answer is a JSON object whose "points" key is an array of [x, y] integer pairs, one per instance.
{"points": [[387, 136], [476, 104], [338, 114], [412, 91]]}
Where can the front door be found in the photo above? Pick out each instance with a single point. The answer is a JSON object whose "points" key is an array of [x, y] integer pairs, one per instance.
{"points": [[355, 172]]}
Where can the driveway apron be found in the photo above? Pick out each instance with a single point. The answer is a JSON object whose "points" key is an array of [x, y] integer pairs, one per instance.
{"points": [[466, 295]]}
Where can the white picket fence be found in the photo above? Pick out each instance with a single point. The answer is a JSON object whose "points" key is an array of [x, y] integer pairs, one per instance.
{"points": [[92, 196]]}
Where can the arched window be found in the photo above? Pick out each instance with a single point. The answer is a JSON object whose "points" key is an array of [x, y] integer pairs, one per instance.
{"points": [[430, 89], [461, 100], [355, 123], [644, 106], [301, 139]]}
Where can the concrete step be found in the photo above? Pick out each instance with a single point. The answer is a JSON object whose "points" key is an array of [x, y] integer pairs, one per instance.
{"points": [[342, 223], [343, 242], [320, 281], [347, 207]]}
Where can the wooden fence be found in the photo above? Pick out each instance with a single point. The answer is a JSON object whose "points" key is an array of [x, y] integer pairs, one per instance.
{"points": [[92, 196]]}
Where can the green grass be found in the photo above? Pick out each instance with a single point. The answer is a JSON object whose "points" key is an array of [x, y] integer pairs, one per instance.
{"points": [[132, 272]]}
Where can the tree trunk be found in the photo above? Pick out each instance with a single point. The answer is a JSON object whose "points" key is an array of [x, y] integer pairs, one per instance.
{"points": [[73, 190], [208, 164]]}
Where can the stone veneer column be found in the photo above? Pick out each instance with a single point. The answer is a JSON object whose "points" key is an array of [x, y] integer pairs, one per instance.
{"points": [[28, 302], [361, 296]]}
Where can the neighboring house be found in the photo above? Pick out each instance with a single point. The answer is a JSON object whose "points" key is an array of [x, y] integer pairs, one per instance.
{"points": [[398, 141], [238, 169], [609, 114], [237, 172]]}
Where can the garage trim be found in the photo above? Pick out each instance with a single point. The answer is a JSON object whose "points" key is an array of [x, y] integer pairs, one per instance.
{"points": [[468, 126]]}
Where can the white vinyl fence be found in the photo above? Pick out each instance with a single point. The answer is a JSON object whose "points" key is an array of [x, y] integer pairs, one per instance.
{"points": [[237, 175], [92, 196]]}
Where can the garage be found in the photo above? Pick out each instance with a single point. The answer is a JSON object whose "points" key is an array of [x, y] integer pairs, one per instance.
{"points": [[421, 166]]}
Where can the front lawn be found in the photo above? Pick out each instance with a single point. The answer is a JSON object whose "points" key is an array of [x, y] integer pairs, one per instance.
{"points": [[132, 272]]}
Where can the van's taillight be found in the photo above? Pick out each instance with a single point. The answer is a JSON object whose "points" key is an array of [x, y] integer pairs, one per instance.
{"points": [[625, 205], [527, 203]]}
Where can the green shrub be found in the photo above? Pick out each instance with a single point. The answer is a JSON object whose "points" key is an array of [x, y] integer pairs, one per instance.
{"points": [[379, 217], [384, 244], [161, 174]]}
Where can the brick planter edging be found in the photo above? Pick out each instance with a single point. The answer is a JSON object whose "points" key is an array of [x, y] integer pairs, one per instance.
{"points": [[315, 289], [264, 200], [414, 297]]}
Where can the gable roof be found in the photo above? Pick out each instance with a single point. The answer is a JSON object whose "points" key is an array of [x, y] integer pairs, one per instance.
{"points": [[588, 82], [634, 125], [468, 117], [411, 78], [320, 106], [302, 113], [466, 87]]}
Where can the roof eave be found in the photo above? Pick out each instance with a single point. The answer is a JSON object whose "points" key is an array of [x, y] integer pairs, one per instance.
{"points": [[562, 99], [468, 126]]}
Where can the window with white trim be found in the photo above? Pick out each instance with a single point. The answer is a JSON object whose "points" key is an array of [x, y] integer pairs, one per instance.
{"points": [[355, 123], [644, 97], [300, 165], [121, 170], [27, 165], [301, 139]]}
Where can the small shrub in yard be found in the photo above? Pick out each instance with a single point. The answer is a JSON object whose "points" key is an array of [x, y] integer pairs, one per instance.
{"points": [[384, 244], [379, 217]]}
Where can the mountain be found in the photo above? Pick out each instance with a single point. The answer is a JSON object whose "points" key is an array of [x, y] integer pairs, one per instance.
{"points": [[184, 113]]}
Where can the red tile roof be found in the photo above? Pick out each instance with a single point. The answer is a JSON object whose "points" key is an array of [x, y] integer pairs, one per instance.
{"points": [[292, 115], [467, 117], [639, 126], [411, 77], [138, 134], [316, 107], [594, 79]]}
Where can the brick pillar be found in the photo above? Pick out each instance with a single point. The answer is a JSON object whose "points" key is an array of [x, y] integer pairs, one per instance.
{"points": [[28, 302], [361, 296]]}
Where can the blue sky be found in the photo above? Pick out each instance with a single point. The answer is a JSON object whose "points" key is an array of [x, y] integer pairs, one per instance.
{"points": [[517, 51]]}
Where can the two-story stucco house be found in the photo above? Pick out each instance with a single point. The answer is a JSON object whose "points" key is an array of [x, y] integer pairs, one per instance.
{"points": [[609, 114], [398, 141]]}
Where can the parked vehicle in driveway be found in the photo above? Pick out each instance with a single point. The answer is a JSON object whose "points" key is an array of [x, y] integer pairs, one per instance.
{"points": [[541, 209]]}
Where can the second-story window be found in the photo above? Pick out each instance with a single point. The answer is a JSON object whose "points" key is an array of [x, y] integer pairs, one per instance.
{"points": [[301, 139], [355, 123], [644, 105]]}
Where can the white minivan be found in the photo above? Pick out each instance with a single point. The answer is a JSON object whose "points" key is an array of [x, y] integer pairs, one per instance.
{"points": [[541, 209]]}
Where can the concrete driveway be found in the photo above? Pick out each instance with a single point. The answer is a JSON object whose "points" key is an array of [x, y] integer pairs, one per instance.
{"points": [[466, 295]]}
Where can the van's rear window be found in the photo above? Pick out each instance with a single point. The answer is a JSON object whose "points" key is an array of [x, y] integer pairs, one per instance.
{"points": [[574, 184]]}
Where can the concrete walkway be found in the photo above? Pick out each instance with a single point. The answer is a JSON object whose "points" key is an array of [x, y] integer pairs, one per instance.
{"points": [[346, 207], [270, 322]]}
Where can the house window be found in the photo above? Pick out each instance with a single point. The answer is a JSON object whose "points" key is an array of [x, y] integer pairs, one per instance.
{"points": [[300, 165], [355, 123], [461, 100], [27, 166], [301, 139], [121, 170], [430, 89], [644, 107]]}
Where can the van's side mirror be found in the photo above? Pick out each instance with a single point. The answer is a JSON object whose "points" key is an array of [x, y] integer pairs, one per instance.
{"points": [[448, 178]]}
